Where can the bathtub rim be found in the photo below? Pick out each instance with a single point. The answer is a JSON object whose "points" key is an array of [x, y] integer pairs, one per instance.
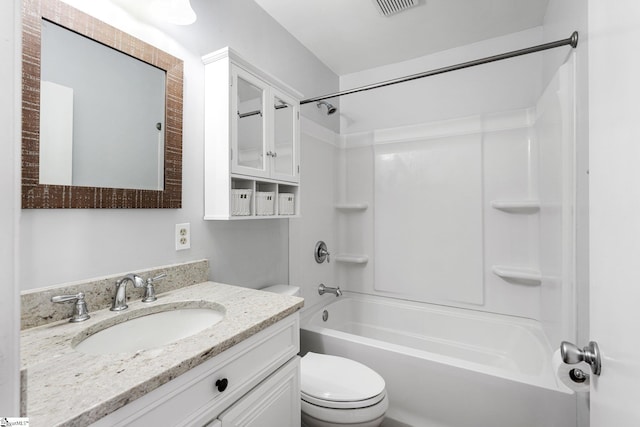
{"points": [[549, 381]]}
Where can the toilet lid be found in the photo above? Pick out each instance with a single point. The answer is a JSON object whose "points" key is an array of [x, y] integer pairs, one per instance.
{"points": [[333, 378]]}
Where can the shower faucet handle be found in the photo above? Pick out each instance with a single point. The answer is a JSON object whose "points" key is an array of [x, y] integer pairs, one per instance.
{"points": [[80, 312], [324, 252], [321, 253]]}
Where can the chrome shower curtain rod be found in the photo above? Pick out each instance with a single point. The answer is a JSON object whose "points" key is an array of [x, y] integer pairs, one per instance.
{"points": [[571, 41]]}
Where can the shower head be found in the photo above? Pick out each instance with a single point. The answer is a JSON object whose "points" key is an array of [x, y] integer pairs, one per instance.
{"points": [[330, 108]]}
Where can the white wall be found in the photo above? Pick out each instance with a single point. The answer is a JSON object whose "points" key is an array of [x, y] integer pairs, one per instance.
{"points": [[251, 32], [9, 190], [503, 86], [66, 245], [320, 178]]}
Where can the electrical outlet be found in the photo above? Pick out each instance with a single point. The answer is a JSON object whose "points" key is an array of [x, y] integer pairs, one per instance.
{"points": [[183, 236]]}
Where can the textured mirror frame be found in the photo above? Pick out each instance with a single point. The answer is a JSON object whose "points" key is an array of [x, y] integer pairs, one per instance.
{"points": [[36, 195]]}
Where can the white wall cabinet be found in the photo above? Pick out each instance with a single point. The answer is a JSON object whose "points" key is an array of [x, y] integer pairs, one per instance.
{"points": [[252, 141], [262, 387]]}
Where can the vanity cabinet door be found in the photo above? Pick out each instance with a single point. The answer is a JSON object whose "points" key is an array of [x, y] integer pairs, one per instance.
{"points": [[274, 402], [249, 133], [285, 156]]}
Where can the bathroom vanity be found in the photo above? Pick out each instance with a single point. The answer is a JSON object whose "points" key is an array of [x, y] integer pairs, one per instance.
{"points": [[243, 371]]}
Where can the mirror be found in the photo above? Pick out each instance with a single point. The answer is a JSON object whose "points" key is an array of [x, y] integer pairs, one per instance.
{"points": [[250, 125], [81, 146], [88, 143]]}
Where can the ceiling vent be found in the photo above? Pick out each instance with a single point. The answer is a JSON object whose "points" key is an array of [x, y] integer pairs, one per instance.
{"points": [[391, 7]]}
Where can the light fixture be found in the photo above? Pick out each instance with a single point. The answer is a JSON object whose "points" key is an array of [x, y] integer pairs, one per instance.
{"points": [[178, 12]]}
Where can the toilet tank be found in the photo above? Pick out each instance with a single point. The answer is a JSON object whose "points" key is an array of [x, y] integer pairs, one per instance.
{"points": [[283, 290]]}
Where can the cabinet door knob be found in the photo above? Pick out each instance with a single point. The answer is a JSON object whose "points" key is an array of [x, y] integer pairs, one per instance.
{"points": [[222, 384]]}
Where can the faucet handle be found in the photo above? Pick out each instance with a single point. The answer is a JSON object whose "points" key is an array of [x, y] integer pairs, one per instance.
{"points": [[321, 253], [150, 292], [80, 312], [158, 277]]}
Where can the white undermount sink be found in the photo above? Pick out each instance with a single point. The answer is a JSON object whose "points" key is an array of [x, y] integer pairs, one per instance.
{"points": [[150, 331]]}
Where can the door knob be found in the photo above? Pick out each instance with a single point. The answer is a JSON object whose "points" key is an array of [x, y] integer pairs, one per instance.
{"points": [[572, 354]]}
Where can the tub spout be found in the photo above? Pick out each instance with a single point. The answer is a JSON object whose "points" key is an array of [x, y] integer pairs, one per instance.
{"points": [[322, 289]]}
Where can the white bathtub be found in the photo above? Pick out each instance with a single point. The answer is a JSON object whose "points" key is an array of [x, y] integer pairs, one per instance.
{"points": [[445, 366]]}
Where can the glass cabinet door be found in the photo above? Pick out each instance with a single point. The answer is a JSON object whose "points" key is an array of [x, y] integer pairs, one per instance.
{"points": [[284, 151], [249, 144]]}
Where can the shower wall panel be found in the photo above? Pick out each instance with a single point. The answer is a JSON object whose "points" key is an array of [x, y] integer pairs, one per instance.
{"points": [[428, 219], [422, 180], [555, 133], [431, 231], [523, 265]]}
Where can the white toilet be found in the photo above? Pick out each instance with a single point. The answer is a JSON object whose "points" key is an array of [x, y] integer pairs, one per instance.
{"points": [[283, 290], [336, 391]]}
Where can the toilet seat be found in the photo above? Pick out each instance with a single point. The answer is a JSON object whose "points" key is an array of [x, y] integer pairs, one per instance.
{"points": [[370, 415], [343, 405], [339, 383], [340, 391]]}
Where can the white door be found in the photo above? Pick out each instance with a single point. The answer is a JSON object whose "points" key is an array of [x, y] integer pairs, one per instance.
{"points": [[614, 189]]}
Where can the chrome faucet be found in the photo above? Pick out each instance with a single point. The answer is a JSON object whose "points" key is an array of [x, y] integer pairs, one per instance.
{"points": [[322, 289], [120, 298]]}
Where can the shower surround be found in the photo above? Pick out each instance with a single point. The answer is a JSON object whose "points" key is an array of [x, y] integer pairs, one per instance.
{"points": [[474, 211]]}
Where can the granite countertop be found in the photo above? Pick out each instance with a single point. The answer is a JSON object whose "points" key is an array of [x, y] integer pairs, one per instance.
{"points": [[65, 386]]}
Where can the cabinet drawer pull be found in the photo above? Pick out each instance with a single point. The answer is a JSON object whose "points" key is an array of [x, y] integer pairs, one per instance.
{"points": [[222, 384]]}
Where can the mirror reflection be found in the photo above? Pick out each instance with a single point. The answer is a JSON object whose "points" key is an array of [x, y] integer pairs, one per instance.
{"points": [[250, 125], [101, 115]]}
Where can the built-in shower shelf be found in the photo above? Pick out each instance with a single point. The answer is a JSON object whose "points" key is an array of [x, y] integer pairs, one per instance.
{"points": [[352, 207], [521, 275], [516, 206], [352, 259]]}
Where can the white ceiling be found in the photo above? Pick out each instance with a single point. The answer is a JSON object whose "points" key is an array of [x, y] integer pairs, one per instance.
{"points": [[351, 35]]}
